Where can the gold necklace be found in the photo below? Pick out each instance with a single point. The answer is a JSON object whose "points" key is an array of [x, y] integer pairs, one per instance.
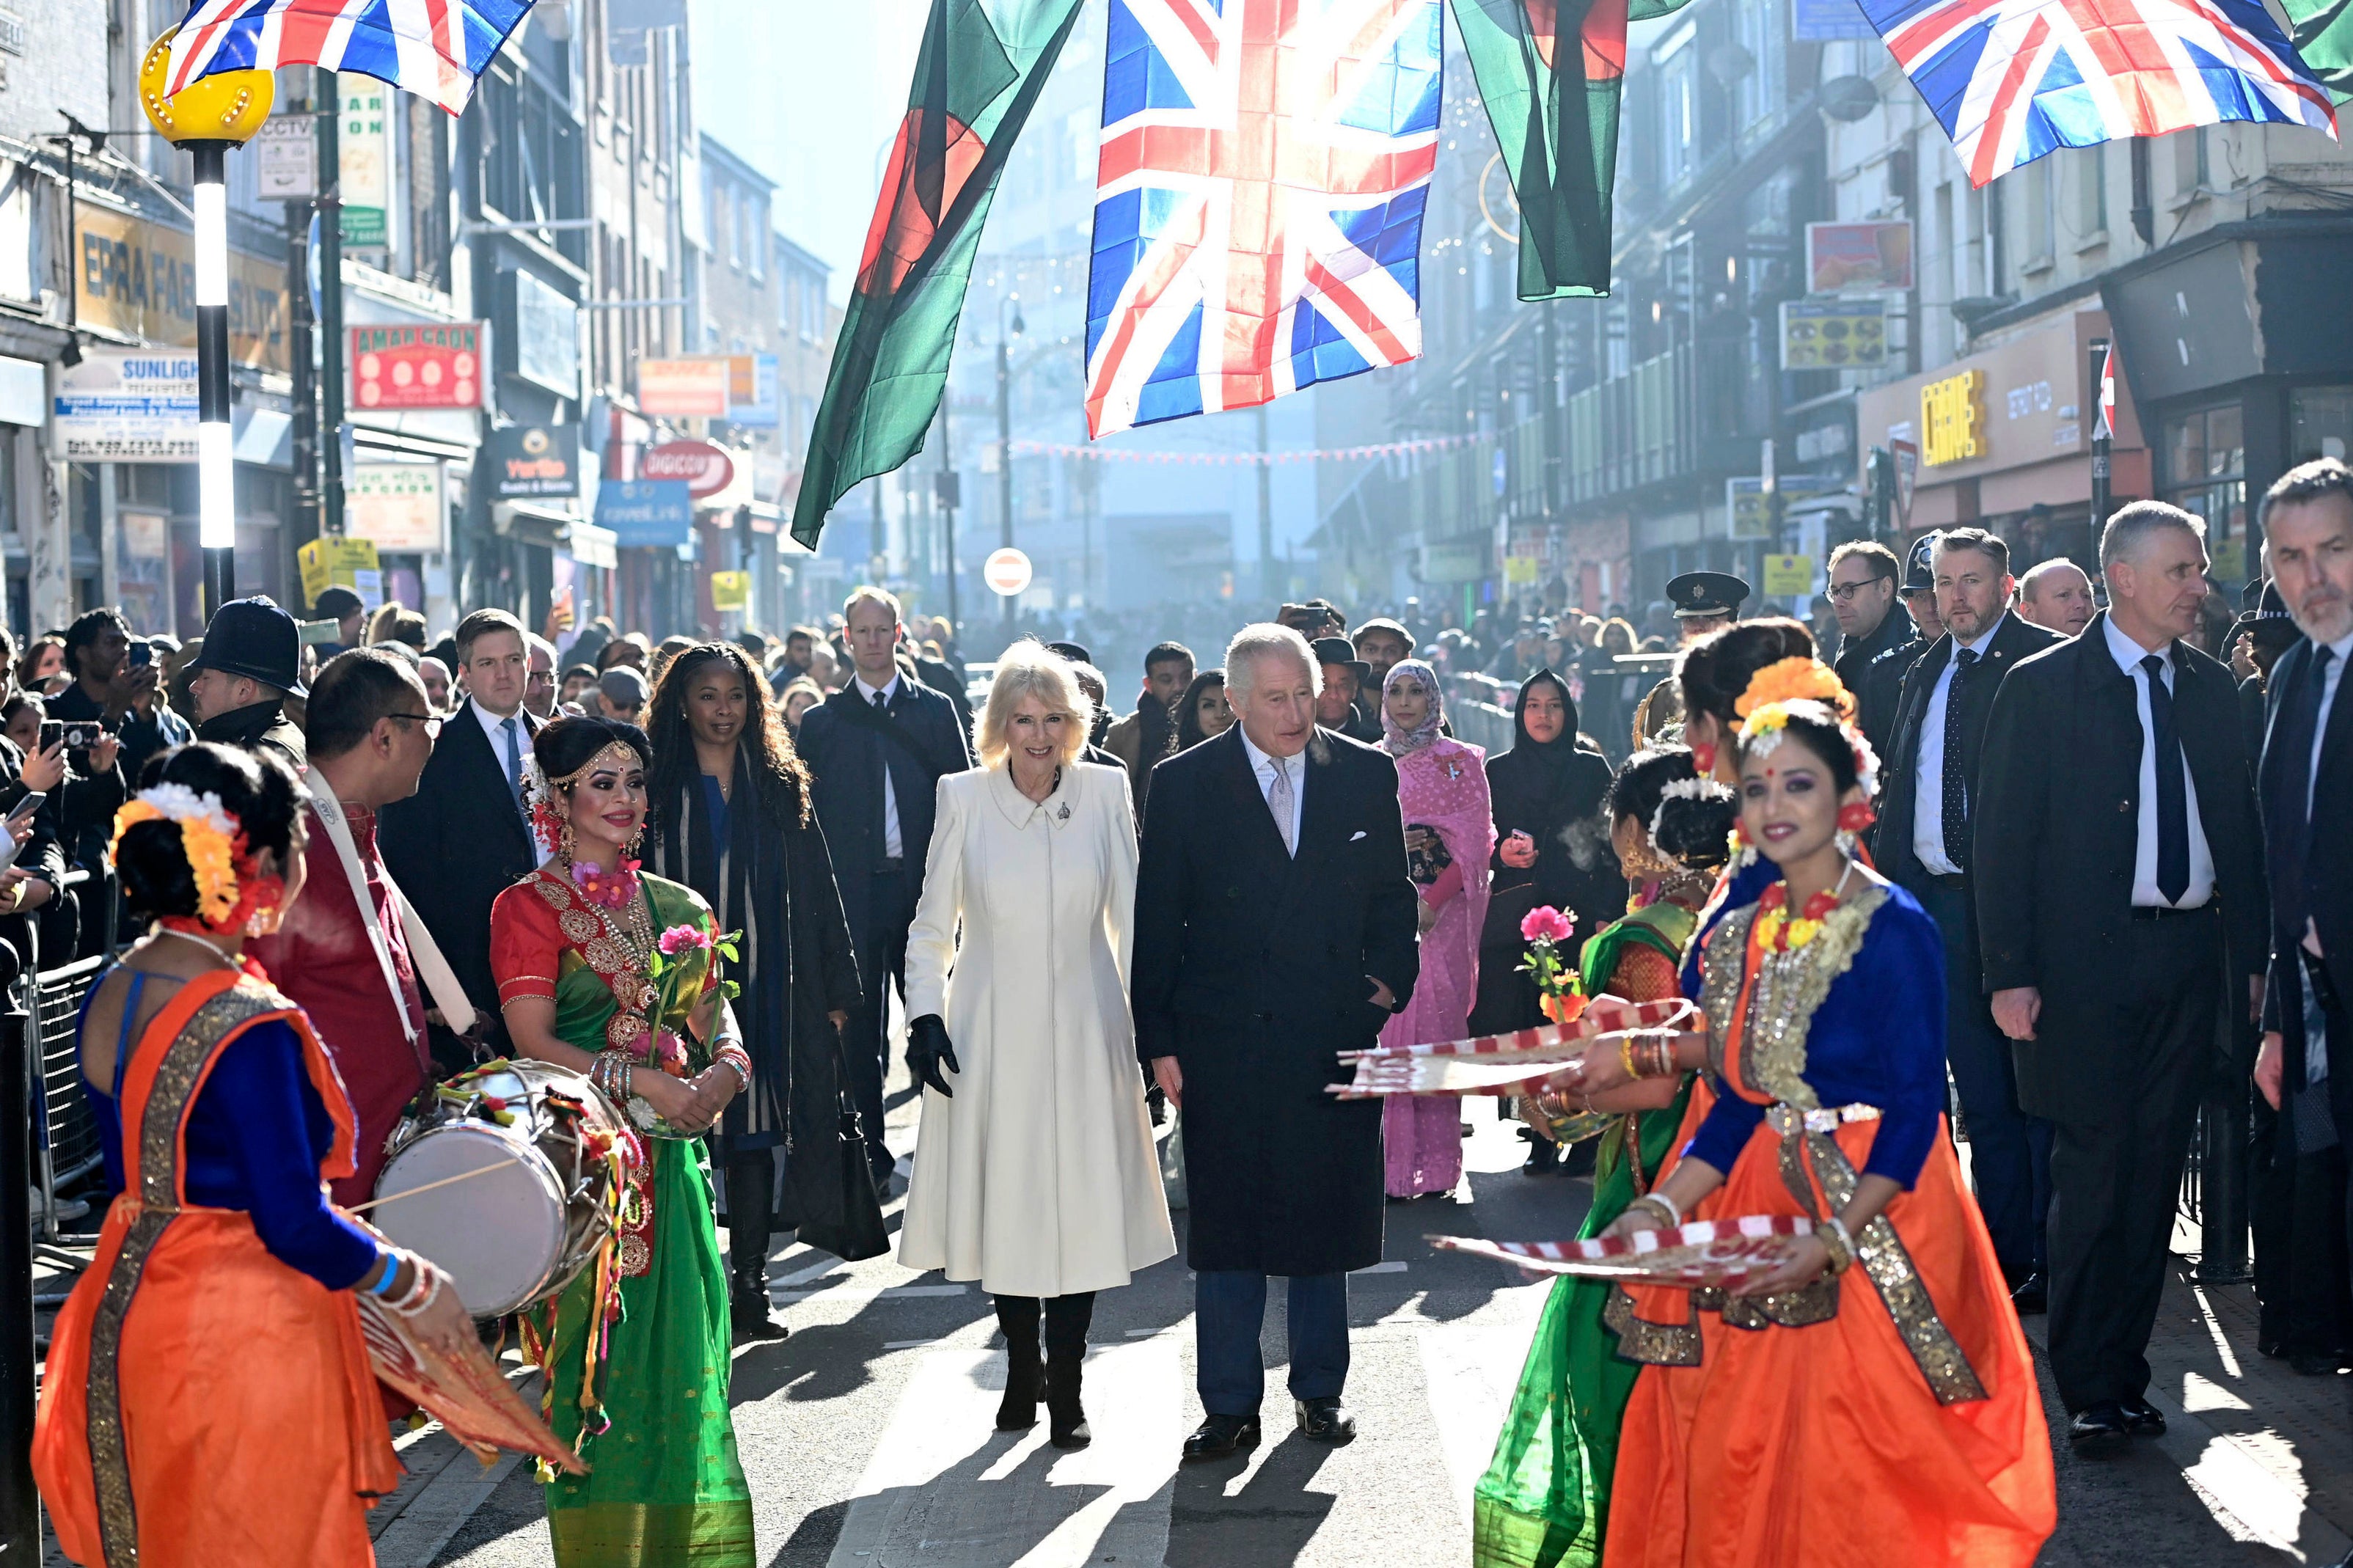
{"points": [[213, 947]]}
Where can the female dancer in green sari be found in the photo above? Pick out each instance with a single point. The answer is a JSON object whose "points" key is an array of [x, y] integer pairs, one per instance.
{"points": [[1544, 1499], [611, 973]]}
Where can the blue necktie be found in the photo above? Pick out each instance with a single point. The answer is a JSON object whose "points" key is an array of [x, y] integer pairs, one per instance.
{"points": [[1956, 804], [513, 726]]}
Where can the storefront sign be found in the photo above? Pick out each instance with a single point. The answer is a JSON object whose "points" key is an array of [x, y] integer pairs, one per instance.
{"points": [[1789, 575], [139, 278], [286, 158], [1843, 255], [395, 505], [546, 334], [705, 469], [684, 387], [752, 391], [417, 367], [324, 562], [127, 405], [646, 512], [1833, 335], [364, 143], [524, 461], [1952, 419], [731, 591]]}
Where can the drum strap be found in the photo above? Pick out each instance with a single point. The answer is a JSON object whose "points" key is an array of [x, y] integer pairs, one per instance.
{"points": [[434, 970]]}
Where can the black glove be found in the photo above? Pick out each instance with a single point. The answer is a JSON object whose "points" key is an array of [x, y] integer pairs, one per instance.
{"points": [[927, 1050]]}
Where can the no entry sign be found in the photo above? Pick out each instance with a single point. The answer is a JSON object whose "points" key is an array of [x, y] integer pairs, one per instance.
{"points": [[1007, 572]]}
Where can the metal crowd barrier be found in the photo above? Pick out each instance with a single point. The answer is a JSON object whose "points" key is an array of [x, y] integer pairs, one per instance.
{"points": [[68, 1136]]}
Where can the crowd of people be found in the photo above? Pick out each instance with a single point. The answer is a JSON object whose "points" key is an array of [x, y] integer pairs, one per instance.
{"points": [[699, 874]]}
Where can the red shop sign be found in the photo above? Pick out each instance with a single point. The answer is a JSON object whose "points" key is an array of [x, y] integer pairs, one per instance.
{"points": [[417, 367], [707, 469]]}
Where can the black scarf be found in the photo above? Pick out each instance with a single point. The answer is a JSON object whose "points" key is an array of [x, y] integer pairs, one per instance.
{"points": [[1552, 756], [1156, 730]]}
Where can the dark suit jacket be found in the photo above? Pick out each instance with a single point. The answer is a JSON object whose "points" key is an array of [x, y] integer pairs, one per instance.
{"points": [[2014, 640], [2060, 799], [845, 754], [2312, 872], [454, 847], [1856, 654], [1251, 969]]}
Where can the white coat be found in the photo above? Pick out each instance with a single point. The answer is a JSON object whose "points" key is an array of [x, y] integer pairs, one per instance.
{"points": [[1038, 1177]]}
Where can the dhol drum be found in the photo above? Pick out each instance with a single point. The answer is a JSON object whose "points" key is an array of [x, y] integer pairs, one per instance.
{"points": [[509, 1177]]}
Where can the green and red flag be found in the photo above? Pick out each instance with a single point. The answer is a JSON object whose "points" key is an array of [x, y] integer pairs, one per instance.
{"points": [[1550, 72], [2322, 31], [983, 64]]}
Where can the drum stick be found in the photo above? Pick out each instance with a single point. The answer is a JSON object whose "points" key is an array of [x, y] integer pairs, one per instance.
{"points": [[443, 1182]]}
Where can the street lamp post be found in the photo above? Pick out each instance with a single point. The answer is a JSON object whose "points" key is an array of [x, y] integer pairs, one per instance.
{"points": [[1005, 436]]}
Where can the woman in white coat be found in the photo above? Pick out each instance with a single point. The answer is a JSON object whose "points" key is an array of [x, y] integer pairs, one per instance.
{"points": [[1034, 1168]]}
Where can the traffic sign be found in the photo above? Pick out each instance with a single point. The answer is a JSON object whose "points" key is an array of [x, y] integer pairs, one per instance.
{"points": [[1007, 572]]}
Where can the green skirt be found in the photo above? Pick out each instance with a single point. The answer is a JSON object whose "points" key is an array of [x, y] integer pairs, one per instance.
{"points": [[1544, 1499], [664, 1485]]}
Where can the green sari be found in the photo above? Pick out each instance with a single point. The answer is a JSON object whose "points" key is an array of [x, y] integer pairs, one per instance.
{"points": [[664, 1486], [1544, 1499]]}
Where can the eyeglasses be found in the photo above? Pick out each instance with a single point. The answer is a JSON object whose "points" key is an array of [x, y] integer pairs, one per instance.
{"points": [[1843, 591], [432, 724]]}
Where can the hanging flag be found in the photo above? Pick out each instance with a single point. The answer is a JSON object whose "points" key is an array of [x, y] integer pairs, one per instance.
{"points": [[2323, 31], [1259, 200], [2103, 425], [433, 48], [981, 69], [1555, 111], [2012, 80]]}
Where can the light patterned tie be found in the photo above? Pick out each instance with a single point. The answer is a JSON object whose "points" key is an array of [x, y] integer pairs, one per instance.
{"points": [[1278, 801]]}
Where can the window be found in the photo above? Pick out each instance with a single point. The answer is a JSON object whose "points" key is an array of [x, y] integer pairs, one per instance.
{"points": [[1680, 122], [2035, 200], [755, 236], [2091, 194], [2206, 473], [2320, 423]]}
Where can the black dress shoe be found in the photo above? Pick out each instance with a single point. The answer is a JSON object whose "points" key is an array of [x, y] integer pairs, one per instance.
{"points": [[2098, 1425], [1219, 1436], [2316, 1363], [1326, 1420], [747, 1311], [2142, 1419], [2270, 1349], [2032, 1296]]}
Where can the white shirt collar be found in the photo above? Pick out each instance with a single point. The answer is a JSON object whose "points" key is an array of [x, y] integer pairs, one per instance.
{"points": [[1979, 646], [496, 728], [2128, 653], [885, 692], [2342, 648], [1260, 760]]}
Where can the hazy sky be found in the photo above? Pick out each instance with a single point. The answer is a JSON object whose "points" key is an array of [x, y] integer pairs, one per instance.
{"points": [[811, 92]]}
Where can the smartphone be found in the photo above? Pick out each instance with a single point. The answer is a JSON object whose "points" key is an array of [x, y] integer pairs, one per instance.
{"points": [[52, 732], [18, 821], [141, 653], [81, 734], [28, 806]]}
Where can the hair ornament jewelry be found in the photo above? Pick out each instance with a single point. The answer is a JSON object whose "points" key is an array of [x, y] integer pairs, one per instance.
{"points": [[1793, 681], [549, 828], [1762, 731], [214, 843], [1699, 788]]}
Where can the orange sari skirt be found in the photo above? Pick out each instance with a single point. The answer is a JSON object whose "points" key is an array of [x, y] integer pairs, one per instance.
{"points": [[1801, 1446]]}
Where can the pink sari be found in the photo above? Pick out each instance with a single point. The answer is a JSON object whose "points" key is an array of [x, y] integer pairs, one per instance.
{"points": [[1442, 786]]}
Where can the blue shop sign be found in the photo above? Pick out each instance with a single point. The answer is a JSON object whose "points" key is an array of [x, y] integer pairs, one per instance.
{"points": [[646, 512]]}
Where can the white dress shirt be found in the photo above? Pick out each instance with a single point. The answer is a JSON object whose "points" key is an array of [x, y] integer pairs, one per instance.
{"points": [[1929, 776], [2144, 894], [892, 846], [1264, 767], [496, 729]]}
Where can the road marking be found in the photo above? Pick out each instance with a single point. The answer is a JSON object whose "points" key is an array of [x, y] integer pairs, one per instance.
{"points": [[815, 1271], [1394, 1266], [447, 1501], [1471, 1373], [945, 1489], [869, 1293]]}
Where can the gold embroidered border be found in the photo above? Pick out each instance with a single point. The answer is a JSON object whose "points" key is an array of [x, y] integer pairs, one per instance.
{"points": [[1884, 1259], [157, 1182], [1652, 1344], [1720, 975]]}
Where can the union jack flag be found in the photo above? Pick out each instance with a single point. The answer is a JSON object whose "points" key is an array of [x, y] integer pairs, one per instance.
{"points": [[1259, 200], [433, 48], [2011, 80]]}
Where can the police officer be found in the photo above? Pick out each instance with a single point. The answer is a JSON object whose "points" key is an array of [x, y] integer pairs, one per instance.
{"points": [[250, 663], [1704, 602]]}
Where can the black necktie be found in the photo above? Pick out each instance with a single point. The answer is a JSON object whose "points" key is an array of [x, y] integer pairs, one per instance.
{"points": [[1956, 804], [880, 705], [2300, 727], [2172, 797]]}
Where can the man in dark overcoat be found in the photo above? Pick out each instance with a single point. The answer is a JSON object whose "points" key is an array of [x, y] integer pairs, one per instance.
{"points": [[1275, 926], [876, 750], [2119, 884]]}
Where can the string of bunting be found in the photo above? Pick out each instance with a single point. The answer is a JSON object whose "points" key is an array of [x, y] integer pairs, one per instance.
{"points": [[1224, 459]]}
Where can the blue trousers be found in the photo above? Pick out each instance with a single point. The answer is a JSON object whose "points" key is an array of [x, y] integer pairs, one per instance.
{"points": [[1229, 1308], [2009, 1152]]}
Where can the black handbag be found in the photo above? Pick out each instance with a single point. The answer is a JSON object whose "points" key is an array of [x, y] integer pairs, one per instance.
{"points": [[843, 1216]]}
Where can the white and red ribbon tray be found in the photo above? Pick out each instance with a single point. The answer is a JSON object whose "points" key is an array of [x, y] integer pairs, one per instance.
{"points": [[1723, 1252], [1505, 1064]]}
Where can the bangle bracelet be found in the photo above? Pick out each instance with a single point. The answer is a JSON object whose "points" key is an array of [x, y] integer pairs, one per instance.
{"points": [[1659, 1205], [1839, 1242], [391, 1272], [1626, 1056]]}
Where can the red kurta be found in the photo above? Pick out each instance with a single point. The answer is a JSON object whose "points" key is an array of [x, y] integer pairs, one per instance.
{"points": [[321, 957]]}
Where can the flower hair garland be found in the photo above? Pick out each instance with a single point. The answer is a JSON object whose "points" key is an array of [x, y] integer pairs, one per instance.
{"points": [[1794, 680], [227, 890], [1701, 788]]}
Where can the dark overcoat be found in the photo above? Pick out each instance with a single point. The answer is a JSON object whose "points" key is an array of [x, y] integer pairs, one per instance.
{"points": [[2058, 818], [2311, 858], [1251, 969]]}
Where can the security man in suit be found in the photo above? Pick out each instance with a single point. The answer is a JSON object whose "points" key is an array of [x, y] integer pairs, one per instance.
{"points": [[2120, 875], [1881, 680], [876, 750], [1923, 844], [2306, 784], [465, 836]]}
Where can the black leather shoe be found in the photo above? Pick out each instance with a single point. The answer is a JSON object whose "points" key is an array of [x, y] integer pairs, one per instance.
{"points": [[2142, 1419], [747, 1311], [1218, 1437], [1326, 1420], [2032, 1296], [2321, 1364], [2099, 1425]]}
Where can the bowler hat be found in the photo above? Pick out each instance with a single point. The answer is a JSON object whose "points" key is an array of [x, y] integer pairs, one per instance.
{"points": [[254, 638]]}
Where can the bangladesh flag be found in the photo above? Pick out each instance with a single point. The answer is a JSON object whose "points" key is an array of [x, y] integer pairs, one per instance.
{"points": [[1551, 72], [2323, 34], [983, 65]]}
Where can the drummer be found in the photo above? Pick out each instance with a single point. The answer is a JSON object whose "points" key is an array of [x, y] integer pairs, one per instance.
{"points": [[369, 729]]}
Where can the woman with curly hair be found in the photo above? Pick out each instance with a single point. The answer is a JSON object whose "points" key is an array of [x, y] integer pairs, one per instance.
{"points": [[731, 820]]}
